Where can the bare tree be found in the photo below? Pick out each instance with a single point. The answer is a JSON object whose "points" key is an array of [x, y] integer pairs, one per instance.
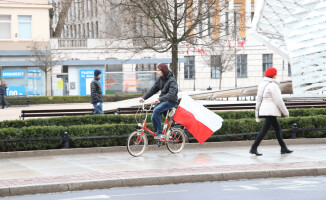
{"points": [[63, 13], [221, 53], [42, 57], [161, 25]]}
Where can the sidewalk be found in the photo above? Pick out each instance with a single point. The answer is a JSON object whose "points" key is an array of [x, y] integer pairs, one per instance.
{"points": [[97, 168]]}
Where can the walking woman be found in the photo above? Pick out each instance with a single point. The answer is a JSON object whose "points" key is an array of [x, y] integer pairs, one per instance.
{"points": [[270, 105]]}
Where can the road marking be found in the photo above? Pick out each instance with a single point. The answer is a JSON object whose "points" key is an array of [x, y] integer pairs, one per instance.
{"points": [[242, 187], [89, 197], [122, 195]]}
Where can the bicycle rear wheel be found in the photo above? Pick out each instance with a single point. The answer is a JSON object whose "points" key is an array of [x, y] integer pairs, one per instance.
{"points": [[137, 143], [175, 140]]}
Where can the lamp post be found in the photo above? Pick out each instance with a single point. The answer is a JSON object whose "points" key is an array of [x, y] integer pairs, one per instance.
{"points": [[235, 49], [194, 82]]}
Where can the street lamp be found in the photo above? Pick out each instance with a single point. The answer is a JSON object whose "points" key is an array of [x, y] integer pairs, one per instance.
{"points": [[235, 49], [194, 82]]}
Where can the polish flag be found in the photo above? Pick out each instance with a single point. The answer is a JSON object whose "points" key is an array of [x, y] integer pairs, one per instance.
{"points": [[197, 119]]}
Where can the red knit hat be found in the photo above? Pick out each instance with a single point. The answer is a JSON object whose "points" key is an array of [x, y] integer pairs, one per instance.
{"points": [[271, 72], [164, 68]]}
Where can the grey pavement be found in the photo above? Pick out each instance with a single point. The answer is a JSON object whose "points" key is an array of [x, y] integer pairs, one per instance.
{"points": [[48, 171]]}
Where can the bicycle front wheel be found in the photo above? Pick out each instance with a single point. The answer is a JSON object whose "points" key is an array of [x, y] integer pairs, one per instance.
{"points": [[175, 140], [137, 143]]}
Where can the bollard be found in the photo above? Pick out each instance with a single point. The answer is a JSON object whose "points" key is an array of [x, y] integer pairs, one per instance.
{"points": [[294, 131], [66, 139]]}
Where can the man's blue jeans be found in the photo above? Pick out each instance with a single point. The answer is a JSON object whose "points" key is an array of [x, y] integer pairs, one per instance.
{"points": [[98, 108], [157, 112]]}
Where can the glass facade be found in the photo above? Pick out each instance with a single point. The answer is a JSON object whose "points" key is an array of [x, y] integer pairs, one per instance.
{"points": [[24, 81]]}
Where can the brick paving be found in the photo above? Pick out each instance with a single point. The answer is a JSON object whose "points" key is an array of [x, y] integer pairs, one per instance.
{"points": [[160, 172]]}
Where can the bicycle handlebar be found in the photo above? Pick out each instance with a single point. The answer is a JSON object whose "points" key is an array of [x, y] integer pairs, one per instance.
{"points": [[150, 107]]}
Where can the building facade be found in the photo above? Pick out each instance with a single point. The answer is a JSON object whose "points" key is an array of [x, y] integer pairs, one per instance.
{"points": [[21, 24], [88, 42]]}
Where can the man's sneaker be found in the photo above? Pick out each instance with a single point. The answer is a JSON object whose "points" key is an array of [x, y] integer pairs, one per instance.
{"points": [[159, 136]]}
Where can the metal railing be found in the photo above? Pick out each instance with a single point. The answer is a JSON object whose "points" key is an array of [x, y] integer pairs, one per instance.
{"points": [[72, 43], [66, 138]]}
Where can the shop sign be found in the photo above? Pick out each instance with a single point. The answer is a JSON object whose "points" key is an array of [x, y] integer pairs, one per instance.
{"points": [[86, 77], [34, 92], [33, 71], [34, 77], [15, 90], [13, 74]]}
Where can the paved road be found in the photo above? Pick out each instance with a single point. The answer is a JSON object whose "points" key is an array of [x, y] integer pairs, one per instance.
{"points": [[298, 188], [100, 168]]}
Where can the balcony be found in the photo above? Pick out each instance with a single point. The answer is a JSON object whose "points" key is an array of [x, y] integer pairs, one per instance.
{"points": [[72, 43]]}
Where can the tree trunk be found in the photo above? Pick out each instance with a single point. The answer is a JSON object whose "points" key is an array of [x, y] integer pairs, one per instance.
{"points": [[220, 85], [46, 83], [62, 18], [174, 66]]}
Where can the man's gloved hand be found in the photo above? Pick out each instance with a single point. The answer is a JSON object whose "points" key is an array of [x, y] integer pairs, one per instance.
{"points": [[98, 104], [257, 119]]}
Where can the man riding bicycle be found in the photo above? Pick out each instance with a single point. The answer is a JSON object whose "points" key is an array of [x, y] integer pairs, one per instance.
{"points": [[167, 99]]}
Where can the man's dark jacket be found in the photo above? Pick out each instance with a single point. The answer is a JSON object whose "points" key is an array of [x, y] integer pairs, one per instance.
{"points": [[168, 86], [96, 91]]}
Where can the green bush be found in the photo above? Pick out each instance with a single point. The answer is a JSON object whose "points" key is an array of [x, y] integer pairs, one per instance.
{"points": [[69, 121], [231, 126], [68, 99], [31, 132], [130, 119]]}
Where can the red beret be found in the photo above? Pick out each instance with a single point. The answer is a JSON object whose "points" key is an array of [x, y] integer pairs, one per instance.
{"points": [[271, 72]]}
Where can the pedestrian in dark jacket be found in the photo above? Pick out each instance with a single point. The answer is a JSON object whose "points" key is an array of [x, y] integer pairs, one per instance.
{"points": [[4, 88], [2, 95], [96, 93], [167, 99]]}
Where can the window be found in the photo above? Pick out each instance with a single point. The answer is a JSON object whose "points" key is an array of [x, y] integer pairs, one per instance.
{"points": [[5, 27], [215, 66], [242, 66], [96, 29], [267, 61], [64, 69], [289, 70], [92, 29], [87, 30], [189, 69], [25, 27]]}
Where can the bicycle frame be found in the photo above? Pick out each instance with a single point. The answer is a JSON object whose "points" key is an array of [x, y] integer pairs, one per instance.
{"points": [[167, 126], [174, 138]]}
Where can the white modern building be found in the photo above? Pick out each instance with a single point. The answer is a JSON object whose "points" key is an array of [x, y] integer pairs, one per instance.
{"points": [[296, 30]]}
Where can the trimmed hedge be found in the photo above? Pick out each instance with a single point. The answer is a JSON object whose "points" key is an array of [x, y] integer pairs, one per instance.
{"points": [[69, 99], [130, 119], [31, 132], [230, 126]]}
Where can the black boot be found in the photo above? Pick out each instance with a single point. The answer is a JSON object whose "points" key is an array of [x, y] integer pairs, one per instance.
{"points": [[254, 151], [285, 150]]}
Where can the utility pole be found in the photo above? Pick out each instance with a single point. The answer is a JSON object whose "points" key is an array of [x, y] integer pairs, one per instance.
{"points": [[235, 49]]}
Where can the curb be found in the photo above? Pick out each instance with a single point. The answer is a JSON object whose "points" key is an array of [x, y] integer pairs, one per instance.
{"points": [[156, 180], [54, 152]]}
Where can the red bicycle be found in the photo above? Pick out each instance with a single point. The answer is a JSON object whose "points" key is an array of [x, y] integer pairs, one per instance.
{"points": [[174, 138]]}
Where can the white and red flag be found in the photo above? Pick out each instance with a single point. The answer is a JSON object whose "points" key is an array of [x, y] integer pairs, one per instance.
{"points": [[197, 119]]}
